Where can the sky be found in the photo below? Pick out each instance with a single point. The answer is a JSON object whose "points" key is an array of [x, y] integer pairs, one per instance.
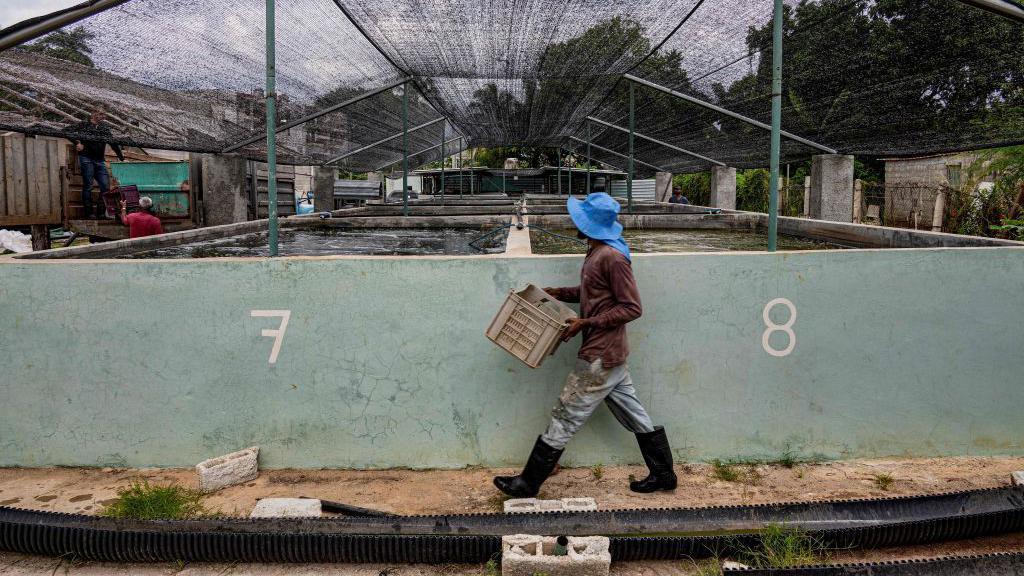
{"points": [[13, 11]]}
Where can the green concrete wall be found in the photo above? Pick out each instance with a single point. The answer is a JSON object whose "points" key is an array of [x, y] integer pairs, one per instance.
{"points": [[384, 362]]}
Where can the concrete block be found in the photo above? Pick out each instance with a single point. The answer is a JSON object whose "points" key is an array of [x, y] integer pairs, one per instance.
{"points": [[831, 195], [723, 188], [521, 505], [229, 469], [286, 508], [579, 504], [525, 555], [1017, 478]]}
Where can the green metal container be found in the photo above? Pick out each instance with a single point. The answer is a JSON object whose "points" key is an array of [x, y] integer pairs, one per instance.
{"points": [[161, 181]]}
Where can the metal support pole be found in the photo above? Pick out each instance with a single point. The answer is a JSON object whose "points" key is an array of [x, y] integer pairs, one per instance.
{"points": [[632, 128], [405, 149], [442, 161], [462, 177], [313, 116], [271, 132], [619, 154], [773, 182], [728, 113], [656, 141], [559, 171], [589, 162], [47, 24], [571, 163]]}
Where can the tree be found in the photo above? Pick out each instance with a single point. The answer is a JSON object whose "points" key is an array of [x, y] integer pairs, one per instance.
{"points": [[71, 45], [881, 77]]}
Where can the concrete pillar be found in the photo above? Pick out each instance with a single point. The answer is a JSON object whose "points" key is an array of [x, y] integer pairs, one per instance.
{"points": [[662, 186], [807, 196], [939, 214], [831, 195], [858, 201], [323, 188], [723, 187], [225, 197]]}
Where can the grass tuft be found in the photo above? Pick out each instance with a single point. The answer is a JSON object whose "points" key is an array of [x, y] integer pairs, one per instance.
{"points": [[497, 502], [783, 547], [492, 568], [145, 502], [598, 471], [735, 472], [884, 481], [708, 567]]}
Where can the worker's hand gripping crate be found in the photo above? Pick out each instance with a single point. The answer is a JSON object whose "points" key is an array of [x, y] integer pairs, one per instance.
{"points": [[530, 325]]}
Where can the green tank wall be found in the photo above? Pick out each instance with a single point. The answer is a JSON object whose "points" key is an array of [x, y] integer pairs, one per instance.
{"points": [[383, 362]]}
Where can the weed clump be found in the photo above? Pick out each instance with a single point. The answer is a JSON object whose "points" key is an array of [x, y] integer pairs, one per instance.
{"points": [[783, 547], [497, 502], [142, 501], [598, 471], [708, 567], [884, 481], [735, 472]]}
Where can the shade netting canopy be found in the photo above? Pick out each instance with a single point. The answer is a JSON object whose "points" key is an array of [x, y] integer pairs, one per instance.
{"points": [[882, 77]]}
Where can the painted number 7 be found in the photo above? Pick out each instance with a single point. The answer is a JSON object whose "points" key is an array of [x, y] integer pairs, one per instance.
{"points": [[278, 333]]}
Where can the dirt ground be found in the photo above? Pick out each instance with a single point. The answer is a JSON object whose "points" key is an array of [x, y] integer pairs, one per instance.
{"points": [[87, 490]]}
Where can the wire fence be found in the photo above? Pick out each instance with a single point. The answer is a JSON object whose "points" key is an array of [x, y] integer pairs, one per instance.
{"points": [[902, 205]]}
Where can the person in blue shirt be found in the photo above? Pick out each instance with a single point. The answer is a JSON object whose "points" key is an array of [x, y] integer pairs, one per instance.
{"points": [[678, 198]]}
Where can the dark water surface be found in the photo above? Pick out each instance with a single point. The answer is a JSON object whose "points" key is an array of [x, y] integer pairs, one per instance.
{"points": [[334, 241], [664, 240]]}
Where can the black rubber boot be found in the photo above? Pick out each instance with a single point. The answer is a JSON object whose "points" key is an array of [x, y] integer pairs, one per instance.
{"points": [[658, 456], [542, 462]]}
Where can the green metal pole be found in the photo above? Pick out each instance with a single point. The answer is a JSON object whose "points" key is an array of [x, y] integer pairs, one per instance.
{"points": [[632, 128], [442, 161], [589, 161], [405, 149], [559, 171], [271, 131], [571, 164], [773, 182]]}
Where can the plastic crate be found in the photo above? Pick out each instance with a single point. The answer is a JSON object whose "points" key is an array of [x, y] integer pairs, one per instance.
{"points": [[530, 325], [112, 200]]}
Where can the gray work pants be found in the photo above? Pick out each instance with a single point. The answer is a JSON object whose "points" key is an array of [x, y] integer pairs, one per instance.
{"points": [[586, 386]]}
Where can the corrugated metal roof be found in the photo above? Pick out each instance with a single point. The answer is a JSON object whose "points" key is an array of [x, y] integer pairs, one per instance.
{"points": [[642, 189]]}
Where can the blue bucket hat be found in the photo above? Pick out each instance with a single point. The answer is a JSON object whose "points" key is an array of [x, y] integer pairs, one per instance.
{"points": [[597, 216]]}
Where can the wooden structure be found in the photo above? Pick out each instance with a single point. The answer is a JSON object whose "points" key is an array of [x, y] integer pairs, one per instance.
{"points": [[33, 181]]}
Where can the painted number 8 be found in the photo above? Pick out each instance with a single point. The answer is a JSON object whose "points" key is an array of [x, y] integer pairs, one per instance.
{"points": [[773, 327]]}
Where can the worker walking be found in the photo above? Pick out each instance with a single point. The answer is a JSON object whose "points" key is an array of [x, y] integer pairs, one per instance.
{"points": [[143, 222], [90, 138], [608, 298]]}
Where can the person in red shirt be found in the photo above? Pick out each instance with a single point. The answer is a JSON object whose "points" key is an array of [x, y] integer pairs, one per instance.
{"points": [[143, 222]]}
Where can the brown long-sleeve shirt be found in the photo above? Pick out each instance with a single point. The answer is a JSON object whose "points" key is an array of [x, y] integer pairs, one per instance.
{"points": [[608, 299]]}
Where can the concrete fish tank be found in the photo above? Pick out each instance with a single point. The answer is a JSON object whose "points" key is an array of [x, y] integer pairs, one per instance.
{"points": [[363, 345]]}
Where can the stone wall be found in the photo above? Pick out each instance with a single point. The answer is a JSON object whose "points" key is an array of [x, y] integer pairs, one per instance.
{"points": [[912, 185]]}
